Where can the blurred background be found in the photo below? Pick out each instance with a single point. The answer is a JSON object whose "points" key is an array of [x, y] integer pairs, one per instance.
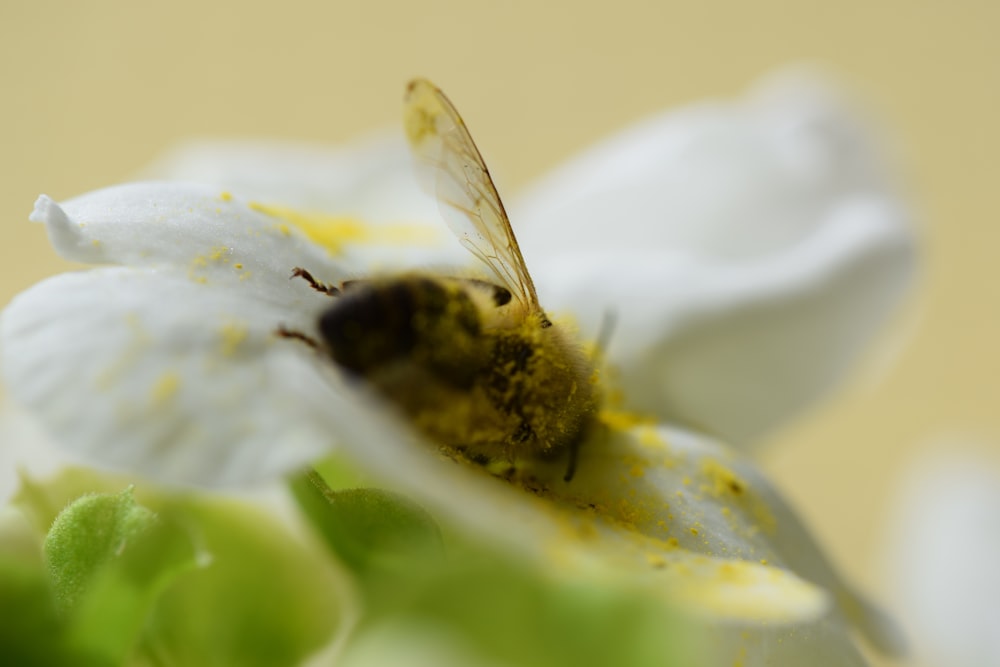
{"points": [[92, 91]]}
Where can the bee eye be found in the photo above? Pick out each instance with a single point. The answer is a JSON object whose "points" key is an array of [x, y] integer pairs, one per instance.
{"points": [[501, 296]]}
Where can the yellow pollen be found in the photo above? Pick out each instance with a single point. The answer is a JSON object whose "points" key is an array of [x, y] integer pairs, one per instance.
{"points": [[656, 561], [721, 480], [226, 196], [166, 387], [621, 420], [335, 232]]}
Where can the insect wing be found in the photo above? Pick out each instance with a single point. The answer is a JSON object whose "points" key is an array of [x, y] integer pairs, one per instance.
{"points": [[439, 138]]}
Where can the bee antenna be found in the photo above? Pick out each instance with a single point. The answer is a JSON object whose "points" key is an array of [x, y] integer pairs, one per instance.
{"points": [[608, 322]]}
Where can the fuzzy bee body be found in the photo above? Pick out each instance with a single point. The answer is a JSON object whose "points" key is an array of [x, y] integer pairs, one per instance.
{"points": [[468, 369], [474, 364]]}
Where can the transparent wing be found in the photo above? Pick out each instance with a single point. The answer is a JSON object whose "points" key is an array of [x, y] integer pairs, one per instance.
{"points": [[474, 212]]}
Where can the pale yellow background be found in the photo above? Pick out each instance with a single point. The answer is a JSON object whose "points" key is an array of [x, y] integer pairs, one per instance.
{"points": [[93, 90]]}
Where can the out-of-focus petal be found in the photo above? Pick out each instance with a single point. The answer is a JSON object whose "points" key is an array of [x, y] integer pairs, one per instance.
{"points": [[144, 369], [673, 511], [736, 349], [729, 180], [24, 449], [746, 253], [944, 547], [371, 178]]}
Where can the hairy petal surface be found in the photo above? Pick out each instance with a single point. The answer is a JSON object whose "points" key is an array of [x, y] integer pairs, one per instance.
{"points": [[209, 233], [145, 369]]}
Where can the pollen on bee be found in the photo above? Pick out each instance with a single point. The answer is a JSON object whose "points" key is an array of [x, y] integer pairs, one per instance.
{"points": [[656, 561]]}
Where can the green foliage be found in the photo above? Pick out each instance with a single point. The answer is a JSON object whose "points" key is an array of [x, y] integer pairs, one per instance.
{"points": [[147, 578], [473, 603], [109, 559], [94, 530], [375, 532], [502, 611], [184, 580], [32, 633], [260, 598]]}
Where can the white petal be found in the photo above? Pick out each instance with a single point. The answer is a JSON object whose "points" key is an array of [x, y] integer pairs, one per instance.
{"points": [[370, 180], [943, 556], [824, 643], [746, 254], [734, 349], [24, 448], [209, 234], [726, 180], [148, 371]]}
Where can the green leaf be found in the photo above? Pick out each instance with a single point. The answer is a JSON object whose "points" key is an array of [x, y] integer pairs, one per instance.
{"points": [[485, 607], [262, 598], [41, 501], [373, 531], [209, 581], [109, 559], [477, 603], [87, 535], [32, 632]]}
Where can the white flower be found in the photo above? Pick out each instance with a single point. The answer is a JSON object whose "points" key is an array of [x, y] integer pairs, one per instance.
{"points": [[942, 562], [746, 251]]}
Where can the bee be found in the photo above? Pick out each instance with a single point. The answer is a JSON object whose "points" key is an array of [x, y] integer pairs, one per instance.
{"points": [[474, 363]]}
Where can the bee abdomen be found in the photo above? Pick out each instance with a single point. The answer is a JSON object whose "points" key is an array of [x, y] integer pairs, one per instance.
{"points": [[379, 323]]}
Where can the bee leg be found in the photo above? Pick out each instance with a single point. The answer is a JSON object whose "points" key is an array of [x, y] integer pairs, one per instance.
{"points": [[480, 459], [329, 290], [350, 284], [282, 332], [574, 451]]}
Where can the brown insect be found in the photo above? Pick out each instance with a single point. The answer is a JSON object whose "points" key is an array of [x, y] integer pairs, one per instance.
{"points": [[475, 364]]}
